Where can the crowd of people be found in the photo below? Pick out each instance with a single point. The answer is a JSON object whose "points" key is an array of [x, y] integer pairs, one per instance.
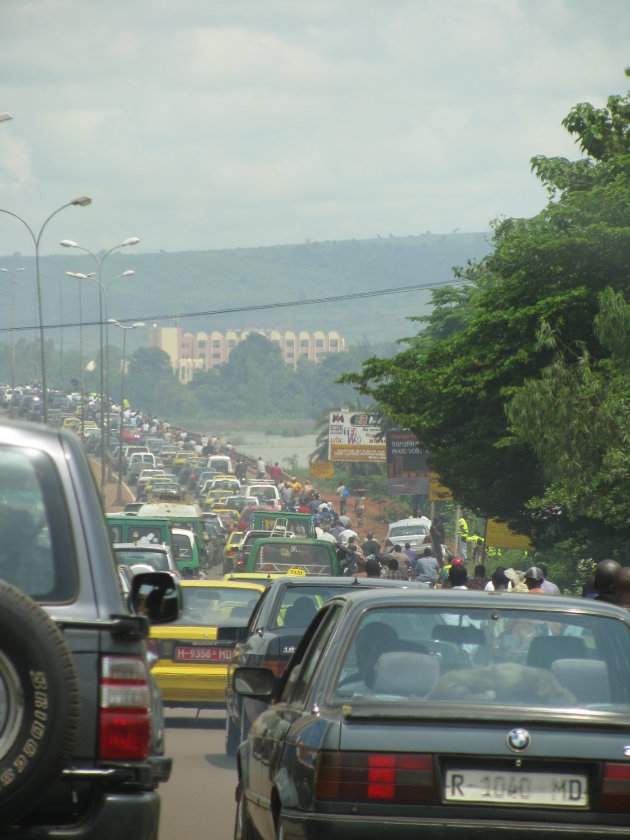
{"points": [[435, 565]]}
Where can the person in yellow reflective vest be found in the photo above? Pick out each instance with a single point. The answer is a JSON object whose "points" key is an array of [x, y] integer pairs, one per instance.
{"points": [[462, 537], [493, 553]]}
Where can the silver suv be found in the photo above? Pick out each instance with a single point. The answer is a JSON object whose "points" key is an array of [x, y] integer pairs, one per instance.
{"points": [[81, 740]]}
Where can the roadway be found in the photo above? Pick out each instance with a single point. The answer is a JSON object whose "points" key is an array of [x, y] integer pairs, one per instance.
{"points": [[198, 800]]}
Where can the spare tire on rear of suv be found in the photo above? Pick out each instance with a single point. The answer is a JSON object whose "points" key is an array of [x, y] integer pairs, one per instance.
{"points": [[39, 702]]}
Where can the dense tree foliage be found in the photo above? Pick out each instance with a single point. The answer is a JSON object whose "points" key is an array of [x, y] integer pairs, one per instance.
{"points": [[255, 382], [518, 382]]}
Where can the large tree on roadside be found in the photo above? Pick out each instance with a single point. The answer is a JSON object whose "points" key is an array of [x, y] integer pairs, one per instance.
{"points": [[454, 380]]}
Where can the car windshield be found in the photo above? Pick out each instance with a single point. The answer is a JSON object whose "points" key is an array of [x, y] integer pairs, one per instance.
{"points": [[293, 558], [216, 605], [483, 657]]}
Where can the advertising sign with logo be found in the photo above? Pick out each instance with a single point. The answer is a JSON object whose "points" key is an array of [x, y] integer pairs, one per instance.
{"points": [[407, 470], [355, 436]]}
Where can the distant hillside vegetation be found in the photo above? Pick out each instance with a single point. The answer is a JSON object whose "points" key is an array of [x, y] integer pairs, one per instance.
{"points": [[168, 285]]}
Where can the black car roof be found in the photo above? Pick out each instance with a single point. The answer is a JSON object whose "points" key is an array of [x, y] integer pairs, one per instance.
{"points": [[338, 580], [415, 595]]}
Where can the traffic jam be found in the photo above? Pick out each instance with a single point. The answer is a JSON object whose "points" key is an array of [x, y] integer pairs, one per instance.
{"points": [[363, 684]]}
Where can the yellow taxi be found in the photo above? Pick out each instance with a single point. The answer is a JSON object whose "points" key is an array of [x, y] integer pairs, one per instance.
{"points": [[72, 423], [194, 652], [183, 457], [215, 498]]}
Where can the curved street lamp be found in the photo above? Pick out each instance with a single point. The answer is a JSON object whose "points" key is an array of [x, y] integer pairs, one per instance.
{"points": [[13, 285], [125, 329], [81, 201], [99, 260]]}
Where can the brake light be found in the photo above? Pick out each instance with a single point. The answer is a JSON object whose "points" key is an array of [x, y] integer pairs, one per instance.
{"points": [[615, 790], [125, 703], [375, 777]]}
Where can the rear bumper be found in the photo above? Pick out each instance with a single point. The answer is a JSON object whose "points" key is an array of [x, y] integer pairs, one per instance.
{"points": [[196, 688], [304, 826], [134, 815]]}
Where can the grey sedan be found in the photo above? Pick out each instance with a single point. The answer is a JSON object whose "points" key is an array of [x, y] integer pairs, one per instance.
{"points": [[443, 714]]}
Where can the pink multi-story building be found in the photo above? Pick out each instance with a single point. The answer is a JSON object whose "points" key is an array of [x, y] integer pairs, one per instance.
{"points": [[189, 353]]}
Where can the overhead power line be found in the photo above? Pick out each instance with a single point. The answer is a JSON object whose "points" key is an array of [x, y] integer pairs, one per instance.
{"points": [[400, 290]]}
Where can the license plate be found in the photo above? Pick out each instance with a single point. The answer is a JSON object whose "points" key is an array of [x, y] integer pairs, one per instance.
{"points": [[203, 654], [555, 790]]}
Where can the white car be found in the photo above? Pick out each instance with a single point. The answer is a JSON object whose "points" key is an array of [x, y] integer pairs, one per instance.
{"points": [[414, 531], [267, 494]]}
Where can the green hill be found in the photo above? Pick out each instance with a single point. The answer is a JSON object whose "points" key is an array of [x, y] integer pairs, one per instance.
{"points": [[168, 286]]}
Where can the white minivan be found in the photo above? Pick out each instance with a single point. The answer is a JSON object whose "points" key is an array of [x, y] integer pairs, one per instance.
{"points": [[221, 464], [266, 493]]}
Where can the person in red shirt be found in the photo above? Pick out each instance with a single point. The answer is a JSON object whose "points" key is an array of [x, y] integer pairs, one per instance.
{"points": [[275, 473]]}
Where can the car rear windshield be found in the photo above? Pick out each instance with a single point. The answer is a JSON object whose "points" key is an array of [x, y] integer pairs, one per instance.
{"points": [[299, 604], [498, 657], [301, 526], [286, 558], [157, 559], [216, 606], [269, 494], [36, 550], [407, 530]]}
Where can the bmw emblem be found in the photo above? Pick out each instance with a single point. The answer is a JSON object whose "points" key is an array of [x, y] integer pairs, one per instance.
{"points": [[519, 740]]}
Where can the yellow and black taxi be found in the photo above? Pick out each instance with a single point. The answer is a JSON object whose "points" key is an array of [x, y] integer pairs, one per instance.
{"points": [[193, 653]]}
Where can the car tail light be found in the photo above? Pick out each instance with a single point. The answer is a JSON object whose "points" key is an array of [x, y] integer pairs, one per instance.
{"points": [[375, 777], [125, 703], [615, 790]]}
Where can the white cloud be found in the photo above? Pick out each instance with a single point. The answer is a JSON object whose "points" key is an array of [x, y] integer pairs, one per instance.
{"points": [[202, 125]]}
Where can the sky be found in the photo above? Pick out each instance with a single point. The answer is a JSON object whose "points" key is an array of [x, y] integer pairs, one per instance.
{"points": [[213, 124]]}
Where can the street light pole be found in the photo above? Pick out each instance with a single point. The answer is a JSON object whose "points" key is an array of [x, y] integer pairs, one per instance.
{"points": [[81, 201], [106, 288], [124, 328], [80, 276], [13, 285], [69, 243]]}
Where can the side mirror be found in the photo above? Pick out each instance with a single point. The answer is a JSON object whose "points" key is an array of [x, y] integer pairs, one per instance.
{"points": [[258, 683], [157, 596]]}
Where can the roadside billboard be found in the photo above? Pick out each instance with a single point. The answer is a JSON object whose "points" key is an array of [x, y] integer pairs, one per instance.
{"points": [[407, 470], [355, 436]]}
